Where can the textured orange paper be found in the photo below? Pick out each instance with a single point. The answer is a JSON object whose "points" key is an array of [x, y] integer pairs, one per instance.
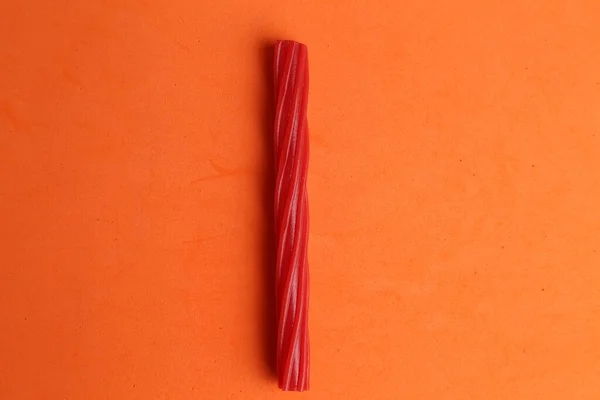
{"points": [[454, 187]]}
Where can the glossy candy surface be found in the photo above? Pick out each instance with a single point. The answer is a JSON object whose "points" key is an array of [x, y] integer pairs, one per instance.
{"points": [[291, 214]]}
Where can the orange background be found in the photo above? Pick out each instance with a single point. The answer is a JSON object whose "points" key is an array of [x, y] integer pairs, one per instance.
{"points": [[454, 193]]}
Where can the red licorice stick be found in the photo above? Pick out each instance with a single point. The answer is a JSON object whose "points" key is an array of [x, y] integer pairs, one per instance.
{"points": [[291, 214]]}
